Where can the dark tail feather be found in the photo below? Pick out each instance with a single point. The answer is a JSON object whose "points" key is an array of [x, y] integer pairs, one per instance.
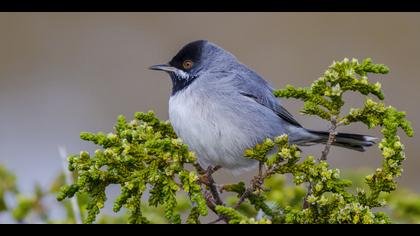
{"points": [[356, 142]]}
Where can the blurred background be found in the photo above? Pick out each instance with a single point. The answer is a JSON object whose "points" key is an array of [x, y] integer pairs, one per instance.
{"points": [[63, 73]]}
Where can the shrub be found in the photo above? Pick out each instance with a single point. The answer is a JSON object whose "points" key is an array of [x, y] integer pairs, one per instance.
{"points": [[149, 163]]}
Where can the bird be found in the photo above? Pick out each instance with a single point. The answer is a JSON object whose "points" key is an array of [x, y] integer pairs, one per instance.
{"points": [[220, 107]]}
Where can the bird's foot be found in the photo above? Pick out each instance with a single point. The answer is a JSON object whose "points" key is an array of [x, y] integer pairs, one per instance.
{"points": [[206, 177]]}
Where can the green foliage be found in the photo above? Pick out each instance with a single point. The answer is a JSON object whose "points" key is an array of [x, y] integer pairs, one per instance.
{"points": [[325, 99], [145, 158], [7, 184], [144, 153], [36, 207], [30, 208], [236, 218], [325, 96], [403, 204], [405, 207]]}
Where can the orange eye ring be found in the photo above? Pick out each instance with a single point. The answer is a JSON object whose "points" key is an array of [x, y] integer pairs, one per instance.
{"points": [[187, 64]]}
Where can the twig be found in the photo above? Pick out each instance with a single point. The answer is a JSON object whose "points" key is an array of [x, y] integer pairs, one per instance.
{"points": [[212, 185], [308, 192], [209, 201], [330, 140], [256, 183], [206, 178], [325, 152], [212, 206], [217, 220], [69, 181], [211, 195]]}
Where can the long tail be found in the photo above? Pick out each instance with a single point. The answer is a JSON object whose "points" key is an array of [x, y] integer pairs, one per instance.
{"points": [[356, 142]]}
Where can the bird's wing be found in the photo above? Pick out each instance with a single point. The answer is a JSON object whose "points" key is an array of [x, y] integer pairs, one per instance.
{"points": [[253, 86]]}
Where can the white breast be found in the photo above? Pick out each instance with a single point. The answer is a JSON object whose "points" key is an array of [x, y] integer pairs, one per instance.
{"points": [[203, 123]]}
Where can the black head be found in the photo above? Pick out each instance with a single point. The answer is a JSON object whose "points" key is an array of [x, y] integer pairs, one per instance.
{"points": [[189, 57], [193, 60], [185, 65]]}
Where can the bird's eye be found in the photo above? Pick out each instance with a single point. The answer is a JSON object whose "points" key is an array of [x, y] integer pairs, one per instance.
{"points": [[187, 64]]}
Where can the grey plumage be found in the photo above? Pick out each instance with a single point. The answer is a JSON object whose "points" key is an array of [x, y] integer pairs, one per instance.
{"points": [[219, 107]]}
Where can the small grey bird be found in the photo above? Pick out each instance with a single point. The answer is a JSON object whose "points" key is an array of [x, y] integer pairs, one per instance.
{"points": [[219, 107]]}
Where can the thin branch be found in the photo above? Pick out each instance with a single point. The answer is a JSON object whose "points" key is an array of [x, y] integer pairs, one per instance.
{"points": [[212, 185], [69, 181], [217, 220], [211, 195], [331, 138], [256, 183], [209, 201], [308, 192], [324, 154], [206, 178]]}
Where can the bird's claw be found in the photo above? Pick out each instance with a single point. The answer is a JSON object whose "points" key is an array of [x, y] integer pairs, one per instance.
{"points": [[204, 177]]}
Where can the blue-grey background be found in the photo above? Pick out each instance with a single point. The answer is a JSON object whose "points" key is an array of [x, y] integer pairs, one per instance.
{"points": [[63, 73]]}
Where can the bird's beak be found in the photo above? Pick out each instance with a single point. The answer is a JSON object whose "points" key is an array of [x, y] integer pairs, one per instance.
{"points": [[163, 67]]}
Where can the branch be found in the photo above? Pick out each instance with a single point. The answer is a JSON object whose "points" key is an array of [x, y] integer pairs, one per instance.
{"points": [[212, 195], [330, 140], [325, 152], [256, 183], [212, 185]]}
